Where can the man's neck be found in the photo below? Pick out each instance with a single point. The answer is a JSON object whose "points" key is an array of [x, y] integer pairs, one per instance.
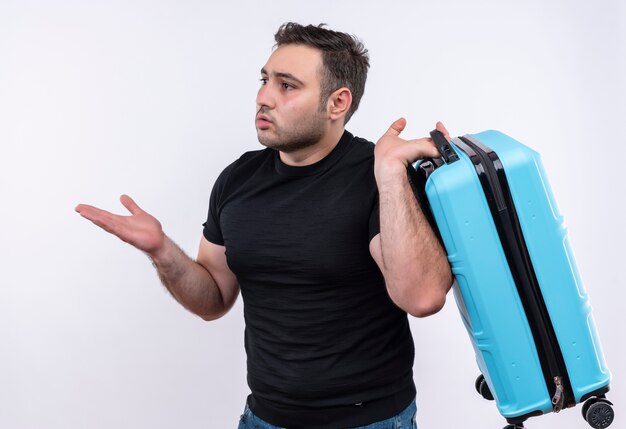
{"points": [[317, 152]]}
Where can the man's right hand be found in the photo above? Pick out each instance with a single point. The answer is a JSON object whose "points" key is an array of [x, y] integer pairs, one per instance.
{"points": [[205, 287], [141, 229]]}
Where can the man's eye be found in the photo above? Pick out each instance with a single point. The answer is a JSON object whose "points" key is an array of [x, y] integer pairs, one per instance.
{"points": [[285, 85], [263, 81]]}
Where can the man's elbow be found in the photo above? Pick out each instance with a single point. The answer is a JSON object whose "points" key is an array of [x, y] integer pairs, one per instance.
{"points": [[427, 306], [431, 302], [210, 317], [215, 314]]}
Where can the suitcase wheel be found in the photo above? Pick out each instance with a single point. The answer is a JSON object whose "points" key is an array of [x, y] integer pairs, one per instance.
{"points": [[483, 388], [598, 412]]}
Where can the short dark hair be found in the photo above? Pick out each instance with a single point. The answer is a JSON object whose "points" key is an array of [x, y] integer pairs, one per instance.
{"points": [[344, 58]]}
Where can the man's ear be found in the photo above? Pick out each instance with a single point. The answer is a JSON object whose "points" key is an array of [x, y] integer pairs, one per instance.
{"points": [[339, 103]]}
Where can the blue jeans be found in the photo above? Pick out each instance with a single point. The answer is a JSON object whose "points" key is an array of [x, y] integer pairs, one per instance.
{"points": [[404, 420]]}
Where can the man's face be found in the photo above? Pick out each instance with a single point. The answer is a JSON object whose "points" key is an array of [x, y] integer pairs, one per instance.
{"points": [[288, 103]]}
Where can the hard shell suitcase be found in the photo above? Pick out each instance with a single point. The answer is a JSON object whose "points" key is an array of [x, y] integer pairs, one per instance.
{"points": [[517, 286]]}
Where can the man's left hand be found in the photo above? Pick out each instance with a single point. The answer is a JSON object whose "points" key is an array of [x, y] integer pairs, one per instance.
{"points": [[394, 154]]}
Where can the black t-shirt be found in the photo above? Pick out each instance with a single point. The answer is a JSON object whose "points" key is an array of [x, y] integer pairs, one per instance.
{"points": [[326, 347]]}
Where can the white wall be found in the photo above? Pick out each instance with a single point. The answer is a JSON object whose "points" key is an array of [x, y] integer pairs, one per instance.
{"points": [[154, 98]]}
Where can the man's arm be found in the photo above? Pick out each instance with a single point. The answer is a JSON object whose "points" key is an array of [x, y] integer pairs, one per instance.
{"points": [[414, 264], [205, 287]]}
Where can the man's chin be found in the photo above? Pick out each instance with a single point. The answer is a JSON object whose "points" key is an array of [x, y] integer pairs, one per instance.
{"points": [[262, 136], [287, 147], [273, 144], [287, 142], [270, 140]]}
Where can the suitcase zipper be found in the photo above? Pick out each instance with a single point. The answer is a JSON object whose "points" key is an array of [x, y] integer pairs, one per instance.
{"points": [[495, 186], [558, 400]]}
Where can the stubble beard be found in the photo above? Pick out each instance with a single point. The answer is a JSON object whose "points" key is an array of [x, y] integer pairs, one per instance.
{"points": [[304, 134]]}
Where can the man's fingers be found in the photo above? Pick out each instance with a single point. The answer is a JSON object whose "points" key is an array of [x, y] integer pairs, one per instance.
{"points": [[88, 212], [102, 218], [440, 127], [415, 149], [130, 204], [396, 128], [427, 148]]}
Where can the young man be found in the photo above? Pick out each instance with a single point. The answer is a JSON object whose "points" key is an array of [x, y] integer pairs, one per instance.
{"points": [[322, 234]]}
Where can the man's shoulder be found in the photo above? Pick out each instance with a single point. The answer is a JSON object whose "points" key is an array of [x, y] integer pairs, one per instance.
{"points": [[246, 159], [243, 166], [361, 149], [363, 144], [254, 154]]}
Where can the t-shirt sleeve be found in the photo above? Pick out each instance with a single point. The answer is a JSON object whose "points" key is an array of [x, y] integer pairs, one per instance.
{"points": [[212, 230], [374, 221]]}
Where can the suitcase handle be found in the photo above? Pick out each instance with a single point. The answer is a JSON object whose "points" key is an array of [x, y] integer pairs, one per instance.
{"points": [[445, 148]]}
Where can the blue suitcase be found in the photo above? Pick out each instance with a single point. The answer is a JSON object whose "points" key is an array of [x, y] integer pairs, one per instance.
{"points": [[517, 286]]}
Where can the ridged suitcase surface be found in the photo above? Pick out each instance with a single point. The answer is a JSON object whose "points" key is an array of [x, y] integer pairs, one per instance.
{"points": [[517, 285]]}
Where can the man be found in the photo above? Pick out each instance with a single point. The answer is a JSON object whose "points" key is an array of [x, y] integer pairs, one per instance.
{"points": [[322, 234]]}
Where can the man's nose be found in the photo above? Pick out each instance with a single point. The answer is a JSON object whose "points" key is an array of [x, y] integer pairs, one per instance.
{"points": [[265, 97]]}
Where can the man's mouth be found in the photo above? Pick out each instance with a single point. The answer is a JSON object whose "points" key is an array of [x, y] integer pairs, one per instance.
{"points": [[263, 122]]}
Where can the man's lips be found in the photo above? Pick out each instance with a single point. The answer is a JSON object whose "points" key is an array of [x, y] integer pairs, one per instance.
{"points": [[263, 122]]}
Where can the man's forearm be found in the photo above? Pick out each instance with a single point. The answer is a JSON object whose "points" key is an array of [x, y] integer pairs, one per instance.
{"points": [[188, 281], [416, 268]]}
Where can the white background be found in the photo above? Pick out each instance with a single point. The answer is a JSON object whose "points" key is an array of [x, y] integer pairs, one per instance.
{"points": [[154, 98]]}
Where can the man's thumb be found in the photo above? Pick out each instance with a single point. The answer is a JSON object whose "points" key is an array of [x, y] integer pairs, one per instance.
{"points": [[396, 128], [131, 205]]}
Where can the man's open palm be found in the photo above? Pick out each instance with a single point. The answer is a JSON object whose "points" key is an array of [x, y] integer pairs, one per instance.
{"points": [[140, 229]]}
